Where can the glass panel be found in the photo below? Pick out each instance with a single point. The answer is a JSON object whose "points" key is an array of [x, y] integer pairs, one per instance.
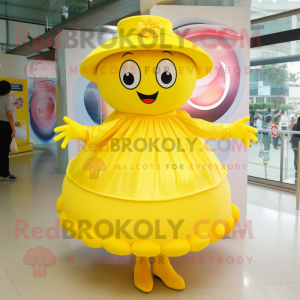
{"points": [[274, 87], [278, 25], [275, 51], [264, 157], [276, 84], [36, 11], [203, 2], [17, 30], [263, 8], [73, 8]]}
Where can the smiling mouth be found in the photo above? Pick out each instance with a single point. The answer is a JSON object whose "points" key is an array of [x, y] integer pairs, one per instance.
{"points": [[148, 99]]}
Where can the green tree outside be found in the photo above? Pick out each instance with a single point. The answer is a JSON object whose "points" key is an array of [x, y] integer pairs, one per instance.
{"points": [[280, 75]]}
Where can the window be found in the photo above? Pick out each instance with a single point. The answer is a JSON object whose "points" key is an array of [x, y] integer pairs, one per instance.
{"points": [[260, 99]]}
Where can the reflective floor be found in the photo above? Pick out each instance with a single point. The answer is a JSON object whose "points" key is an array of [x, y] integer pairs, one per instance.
{"points": [[262, 263]]}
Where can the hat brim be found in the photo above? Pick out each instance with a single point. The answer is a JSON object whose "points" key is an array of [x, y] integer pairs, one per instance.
{"points": [[170, 42]]}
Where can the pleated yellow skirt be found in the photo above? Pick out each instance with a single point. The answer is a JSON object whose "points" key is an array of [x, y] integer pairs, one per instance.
{"points": [[147, 228]]}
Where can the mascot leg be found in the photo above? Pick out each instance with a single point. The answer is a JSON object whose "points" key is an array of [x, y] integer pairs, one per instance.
{"points": [[163, 269], [142, 274]]}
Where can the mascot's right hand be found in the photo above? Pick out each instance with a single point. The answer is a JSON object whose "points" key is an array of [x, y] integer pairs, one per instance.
{"points": [[70, 131]]}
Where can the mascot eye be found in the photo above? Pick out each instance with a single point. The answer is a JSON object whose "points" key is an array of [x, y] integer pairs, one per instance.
{"points": [[166, 73], [130, 74]]}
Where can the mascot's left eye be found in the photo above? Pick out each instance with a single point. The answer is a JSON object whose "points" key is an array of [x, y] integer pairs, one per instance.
{"points": [[130, 74], [166, 73]]}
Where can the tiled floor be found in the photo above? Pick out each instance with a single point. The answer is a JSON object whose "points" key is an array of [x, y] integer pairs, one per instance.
{"points": [[272, 199], [265, 267]]}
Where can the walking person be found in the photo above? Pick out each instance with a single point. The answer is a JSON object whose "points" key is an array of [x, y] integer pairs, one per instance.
{"points": [[266, 137], [7, 129]]}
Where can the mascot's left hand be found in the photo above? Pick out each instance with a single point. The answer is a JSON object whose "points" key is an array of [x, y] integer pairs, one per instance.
{"points": [[243, 132]]}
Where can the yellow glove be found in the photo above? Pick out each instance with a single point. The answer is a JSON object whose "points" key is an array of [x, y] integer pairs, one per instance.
{"points": [[70, 131], [243, 132]]}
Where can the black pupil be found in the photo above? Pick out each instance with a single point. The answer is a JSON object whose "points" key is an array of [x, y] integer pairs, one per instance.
{"points": [[166, 77], [128, 78]]}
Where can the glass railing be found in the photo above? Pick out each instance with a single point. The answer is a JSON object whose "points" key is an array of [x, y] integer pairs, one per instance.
{"points": [[34, 17], [275, 156], [6, 47], [274, 160], [72, 9]]}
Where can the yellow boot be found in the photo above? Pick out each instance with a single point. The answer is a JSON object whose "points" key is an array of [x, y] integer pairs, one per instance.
{"points": [[163, 269], [142, 274]]}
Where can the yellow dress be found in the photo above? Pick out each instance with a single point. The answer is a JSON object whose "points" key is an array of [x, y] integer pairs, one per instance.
{"points": [[151, 173], [146, 182]]}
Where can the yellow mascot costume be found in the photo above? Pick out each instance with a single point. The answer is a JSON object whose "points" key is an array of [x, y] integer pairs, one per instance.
{"points": [[146, 182]]}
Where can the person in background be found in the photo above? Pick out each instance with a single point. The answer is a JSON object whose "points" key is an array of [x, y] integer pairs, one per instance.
{"points": [[291, 116], [256, 116], [259, 126], [259, 122], [295, 138], [251, 121], [276, 138], [293, 120], [7, 129], [266, 137], [284, 120]]}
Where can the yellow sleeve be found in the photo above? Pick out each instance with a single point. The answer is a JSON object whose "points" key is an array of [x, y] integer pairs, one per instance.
{"points": [[204, 129], [99, 133], [90, 132]]}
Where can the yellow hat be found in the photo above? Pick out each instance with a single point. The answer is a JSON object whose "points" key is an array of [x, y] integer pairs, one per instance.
{"points": [[146, 33]]}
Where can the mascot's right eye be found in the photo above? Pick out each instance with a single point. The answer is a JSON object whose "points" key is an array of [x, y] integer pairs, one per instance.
{"points": [[130, 74]]}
